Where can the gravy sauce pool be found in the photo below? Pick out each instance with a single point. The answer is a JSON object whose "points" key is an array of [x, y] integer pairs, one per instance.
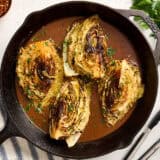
{"points": [[96, 127]]}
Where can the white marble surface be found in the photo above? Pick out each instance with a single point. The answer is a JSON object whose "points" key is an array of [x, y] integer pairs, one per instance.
{"points": [[15, 17]]}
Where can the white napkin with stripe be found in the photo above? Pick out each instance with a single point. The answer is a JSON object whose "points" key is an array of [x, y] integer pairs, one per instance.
{"points": [[20, 149]]}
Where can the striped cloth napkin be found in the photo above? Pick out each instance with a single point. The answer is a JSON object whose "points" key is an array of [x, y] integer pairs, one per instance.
{"points": [[17, 148]]}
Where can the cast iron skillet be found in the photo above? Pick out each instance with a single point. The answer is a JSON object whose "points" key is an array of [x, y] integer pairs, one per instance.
{"points": [[17, 123]]}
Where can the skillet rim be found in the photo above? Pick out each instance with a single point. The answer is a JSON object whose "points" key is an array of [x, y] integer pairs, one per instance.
{"points": [[27, 19]]}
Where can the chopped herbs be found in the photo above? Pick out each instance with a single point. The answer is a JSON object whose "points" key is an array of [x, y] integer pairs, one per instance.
{"points": [[34, 39], [70, 107], [104, 110], [44, 120], [66, 43], [28, 106], [39, 108], [27, 91], [18, 78], [107, 36], [113, 62], [33, 46], [28, 60], [35, 85], [152, 7], [29, 74], [46, 43], [110, 52]]}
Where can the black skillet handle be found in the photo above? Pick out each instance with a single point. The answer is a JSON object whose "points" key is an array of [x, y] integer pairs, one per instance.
{"points": [[151, 24], [10, 129]]}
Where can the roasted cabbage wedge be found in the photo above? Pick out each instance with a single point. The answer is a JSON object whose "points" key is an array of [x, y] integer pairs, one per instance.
{"points": [[120, 89], [40, 72], [84, 49], [70, 113]]}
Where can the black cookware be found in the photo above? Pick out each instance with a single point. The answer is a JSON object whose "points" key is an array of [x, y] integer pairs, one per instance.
{"points": [[17, 124]]}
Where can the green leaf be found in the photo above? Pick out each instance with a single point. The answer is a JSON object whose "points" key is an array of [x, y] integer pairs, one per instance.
{"points": [[28, 106], [39, 108], [28, 60], [85, 78], [113, 62], [70, 107], [27, 91], [141, 22], [110, 51]]}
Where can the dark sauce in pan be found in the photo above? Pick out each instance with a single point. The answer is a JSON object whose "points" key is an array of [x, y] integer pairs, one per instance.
{"points": [[96, 127]]}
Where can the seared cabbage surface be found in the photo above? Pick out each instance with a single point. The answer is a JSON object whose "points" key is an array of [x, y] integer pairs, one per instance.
{"points": [[70, 113], [120, 89], [40, 71], [84, 49]]}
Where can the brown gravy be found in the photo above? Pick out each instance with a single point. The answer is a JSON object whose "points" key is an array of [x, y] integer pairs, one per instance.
{"points": [[96, 127]]}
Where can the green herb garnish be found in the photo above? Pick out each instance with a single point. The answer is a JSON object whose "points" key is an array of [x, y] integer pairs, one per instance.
{"points": [[18, 78], [70, 107], [28, 60], [46, 43], [28, 106], [32, 120], [39, 105], [42, 32], [85, 78], [103, 121], [107, 36], [39, 108], [113, 62], [104, 110], [110, 51], [65, 45], [66, 42], [34, 39], [119, 93], [27, 91], [152, 7]]}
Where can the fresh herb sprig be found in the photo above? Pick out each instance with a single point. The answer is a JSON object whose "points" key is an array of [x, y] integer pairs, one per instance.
{"points": [[151, 7], [70, 107]]}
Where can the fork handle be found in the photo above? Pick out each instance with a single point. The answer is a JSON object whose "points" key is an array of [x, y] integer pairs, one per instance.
{"points": [[151, 151], [138, 144]]}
